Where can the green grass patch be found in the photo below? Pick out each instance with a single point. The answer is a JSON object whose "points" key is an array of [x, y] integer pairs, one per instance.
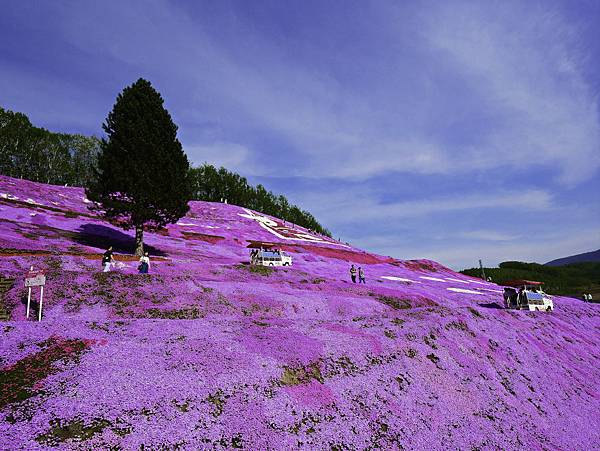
{"points": [[434, 358], [77, 430], [460, 325], [262, 270], [218, 403], [257, 269], [182, 313], [19, 381], [474, 312], [301, 375], [394, 302], [390, 334]]}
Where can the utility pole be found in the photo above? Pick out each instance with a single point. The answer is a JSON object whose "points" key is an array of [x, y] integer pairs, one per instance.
{"points": [[482, 271]]}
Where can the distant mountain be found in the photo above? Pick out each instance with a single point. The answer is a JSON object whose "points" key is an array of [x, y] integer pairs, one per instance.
{"points": [[593, 256]]}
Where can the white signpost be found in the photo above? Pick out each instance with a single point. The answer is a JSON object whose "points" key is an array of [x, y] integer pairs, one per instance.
{"points": [[35, 279]]}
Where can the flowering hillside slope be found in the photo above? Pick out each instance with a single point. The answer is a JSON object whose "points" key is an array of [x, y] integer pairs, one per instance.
{"points": [[208, 352]]}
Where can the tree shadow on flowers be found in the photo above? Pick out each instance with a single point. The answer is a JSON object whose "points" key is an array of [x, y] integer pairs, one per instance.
{"points": [[96, 235], [493, 305]]}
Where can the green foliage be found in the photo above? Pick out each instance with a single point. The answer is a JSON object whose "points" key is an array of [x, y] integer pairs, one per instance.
{"points": [[394, 302], [257, 269], [569, 280], [37, 154], [301, 375], [218, 402], [61, 432], [213, 185], [20, 381], [434, 358]]}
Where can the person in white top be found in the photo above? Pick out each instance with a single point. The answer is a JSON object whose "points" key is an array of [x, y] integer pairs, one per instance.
{"points": [[144, 263]]}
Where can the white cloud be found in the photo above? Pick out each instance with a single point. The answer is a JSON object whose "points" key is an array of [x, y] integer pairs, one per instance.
{"points": [[233, 156], [341, 208], [525, 61], [460, 255], [488, 235], [523, 78]]}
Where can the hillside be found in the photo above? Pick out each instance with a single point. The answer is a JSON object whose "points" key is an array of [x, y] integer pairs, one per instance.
{"points": [[206, 352], [593, 256]]}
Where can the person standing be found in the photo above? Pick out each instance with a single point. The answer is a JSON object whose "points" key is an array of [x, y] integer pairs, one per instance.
{"points": [[353, 273], [361, 275], [144, 263], [107, 259]]}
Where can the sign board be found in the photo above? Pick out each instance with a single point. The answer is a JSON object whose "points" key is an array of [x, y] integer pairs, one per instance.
{"points": [[33, 273], [35, 279]]}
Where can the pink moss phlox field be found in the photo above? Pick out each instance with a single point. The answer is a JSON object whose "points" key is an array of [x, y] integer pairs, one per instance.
{"points": [[207, 352]]}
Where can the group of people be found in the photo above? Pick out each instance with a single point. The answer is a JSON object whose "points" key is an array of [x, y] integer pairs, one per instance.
{"points": [[256, 254], [587, 297], [361, 274], [108, 260]]}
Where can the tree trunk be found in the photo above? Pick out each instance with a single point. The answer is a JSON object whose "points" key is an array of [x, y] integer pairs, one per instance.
{"points": [[139, 240]]}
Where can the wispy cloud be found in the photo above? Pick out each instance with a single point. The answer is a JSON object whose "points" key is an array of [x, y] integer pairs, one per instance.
{"points": [[528, 72], [364, 206], [519, 99], [488, 235], [466, 253], [233, 156]]}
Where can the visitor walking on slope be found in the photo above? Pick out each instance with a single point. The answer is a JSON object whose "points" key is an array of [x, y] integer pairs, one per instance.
{"points": [[361, 275], [107, 259], [144, 263], [353, 273]]}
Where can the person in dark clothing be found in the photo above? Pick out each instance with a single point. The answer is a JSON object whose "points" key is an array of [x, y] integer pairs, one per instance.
{"points": [[144, 263], [353, 273], [107, 259], [361, 275]]}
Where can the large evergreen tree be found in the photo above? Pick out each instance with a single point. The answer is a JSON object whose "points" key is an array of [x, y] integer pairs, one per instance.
{"points": [[142, 178]]}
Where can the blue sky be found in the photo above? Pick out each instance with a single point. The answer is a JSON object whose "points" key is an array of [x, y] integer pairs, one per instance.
{"points": [[447, 130]]}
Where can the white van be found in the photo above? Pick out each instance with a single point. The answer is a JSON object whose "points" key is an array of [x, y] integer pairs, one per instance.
{"points": [[525, 299], [270, 258]]}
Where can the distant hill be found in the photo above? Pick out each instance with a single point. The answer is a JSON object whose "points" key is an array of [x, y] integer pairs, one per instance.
{"points": [[593, 256], [568, 280]]}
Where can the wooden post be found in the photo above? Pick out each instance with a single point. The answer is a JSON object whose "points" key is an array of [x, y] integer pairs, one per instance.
{"points": [[28, 301], [41, 300]]}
